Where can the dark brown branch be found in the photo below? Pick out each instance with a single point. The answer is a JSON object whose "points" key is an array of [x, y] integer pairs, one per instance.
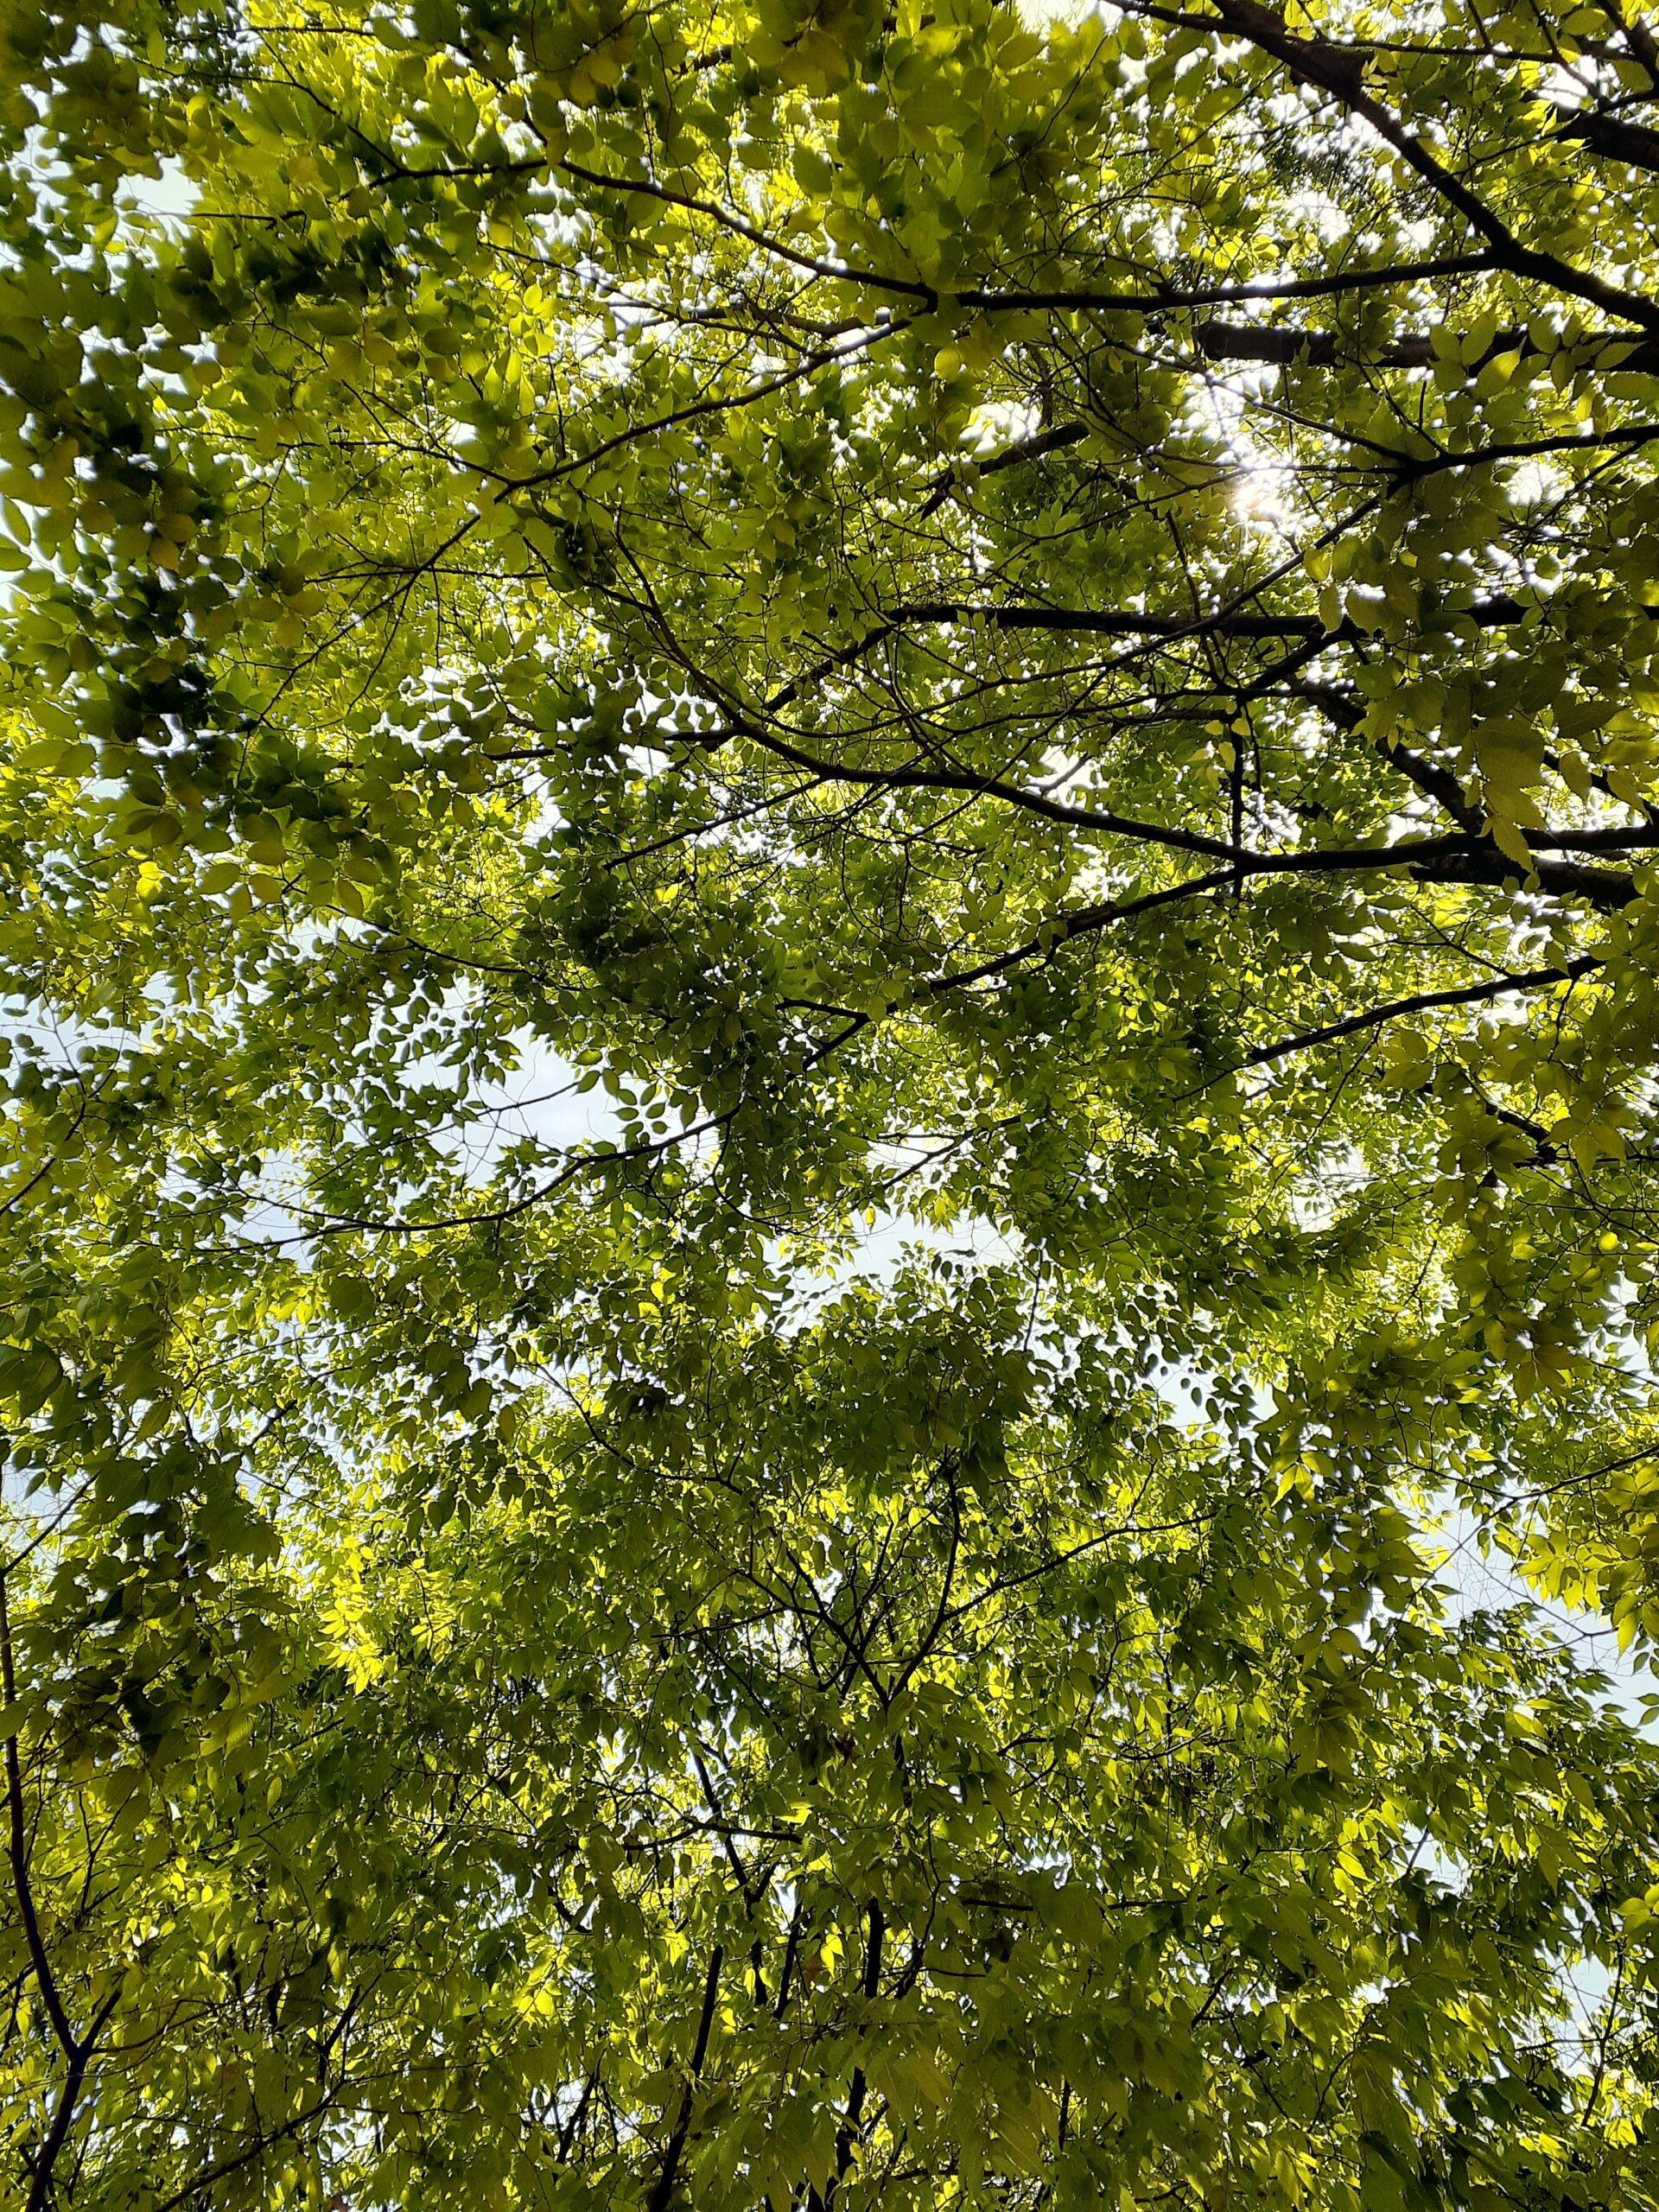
{"points": [[750, 1892], [990, 301], [77, 2050], [18, 1852], [644, 188], [1616, 838], [792, 1944], [1045, 441], [238, 2159], [1472, 858], [1306, 630], [1340, 72], [1640, 39], [1434, 781], [1536, 979], [964, 783], [662, 2194], [1437, 783], [1632, 143], [621, 1156], [1484, 614], [40, 2186], [1441, 860], [1481, 862], [847, 2133], [1335, 284], [1324, 349], [41, 2190], [696, 411]]}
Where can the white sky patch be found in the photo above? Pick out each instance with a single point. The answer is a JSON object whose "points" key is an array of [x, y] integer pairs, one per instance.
{"points": [[540, 1102], [1002, 421], [1262, 498], [170, 198], [1532, 482], [1037, 14], [1323, 212]]}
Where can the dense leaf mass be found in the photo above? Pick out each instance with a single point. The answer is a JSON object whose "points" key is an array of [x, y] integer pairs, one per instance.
{"points": [[827, 1183]]}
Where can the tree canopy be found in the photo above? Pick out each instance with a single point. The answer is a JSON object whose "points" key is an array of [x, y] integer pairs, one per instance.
{"points": [[830, 976]]}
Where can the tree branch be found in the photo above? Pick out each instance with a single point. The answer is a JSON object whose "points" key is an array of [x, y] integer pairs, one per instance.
{"points": [[664, 2189], [1536, 979], [77, 2050], [1484, 614], [1340, 72], [241, 2158], [847, 2133], [1083, 299], [1324, 349], [18, 1853], [1632, 143]]}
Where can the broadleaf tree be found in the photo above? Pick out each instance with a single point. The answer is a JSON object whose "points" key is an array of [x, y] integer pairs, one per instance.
{"points": [[828, 1213]]}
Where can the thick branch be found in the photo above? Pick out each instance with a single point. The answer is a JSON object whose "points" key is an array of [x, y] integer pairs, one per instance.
{"points": [[1376, 1017], [1484, 614], [1470, 858], [986, 300], [1437, 783], [847, 2134], [661, 2196], [1632, 143], [1446, 860], [1339, 72], [1031, 448], [40, 2188], [77, 2050], [1226, 341], [18, 1853], [233, 2163]]}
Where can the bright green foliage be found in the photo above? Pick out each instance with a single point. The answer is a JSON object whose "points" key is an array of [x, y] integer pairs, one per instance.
{"points": [[831, 977]]}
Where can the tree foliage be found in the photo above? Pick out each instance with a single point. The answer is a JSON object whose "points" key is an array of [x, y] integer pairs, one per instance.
{"points": [[831, 981]]}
